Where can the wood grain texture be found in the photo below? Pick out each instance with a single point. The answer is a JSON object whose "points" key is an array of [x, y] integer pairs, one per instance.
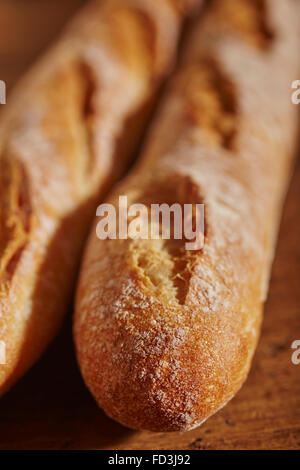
{"points": [[51, 408]]}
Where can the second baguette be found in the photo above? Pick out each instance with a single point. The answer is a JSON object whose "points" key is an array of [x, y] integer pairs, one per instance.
{"points": [[165, 337]]}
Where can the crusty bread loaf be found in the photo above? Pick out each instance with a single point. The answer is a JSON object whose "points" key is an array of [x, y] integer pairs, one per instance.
{"points": [[165, 336], [65, 136]]}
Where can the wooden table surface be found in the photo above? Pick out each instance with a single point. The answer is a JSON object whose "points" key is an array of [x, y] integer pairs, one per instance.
{"points": [[50, 408]]}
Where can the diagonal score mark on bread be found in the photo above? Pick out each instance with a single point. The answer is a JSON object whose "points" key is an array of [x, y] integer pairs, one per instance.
{"points": [[165, 266], [15, 215], [210, 102], [248, 19]]}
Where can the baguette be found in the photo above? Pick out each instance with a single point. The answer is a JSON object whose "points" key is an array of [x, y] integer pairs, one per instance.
{"points": [[68, 132], [165, 336]]}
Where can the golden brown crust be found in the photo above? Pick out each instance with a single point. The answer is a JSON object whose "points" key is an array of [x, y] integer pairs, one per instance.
{"points": [[165, 337], [60, 139]]}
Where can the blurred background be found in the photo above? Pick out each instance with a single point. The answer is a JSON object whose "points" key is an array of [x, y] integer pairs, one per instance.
{"points": [[26, 27], [50, 408]]}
